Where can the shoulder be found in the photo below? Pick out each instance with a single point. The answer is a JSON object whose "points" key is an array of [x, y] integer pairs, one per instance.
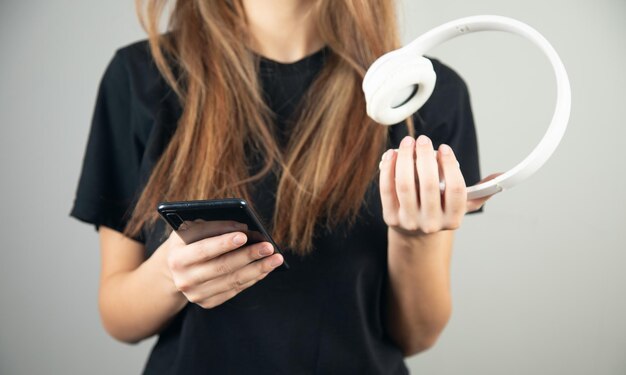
{"points": [[450, 88], [133, 90], [449, 98], [133, 74], [446, 76], [135, 51], [134, 63]]}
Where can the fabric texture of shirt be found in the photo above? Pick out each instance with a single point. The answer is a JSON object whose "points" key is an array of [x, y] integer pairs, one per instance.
{"points": [[326, 315]]}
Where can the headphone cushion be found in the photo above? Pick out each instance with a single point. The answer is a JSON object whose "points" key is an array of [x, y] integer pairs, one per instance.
{"points": [[391, 79]]}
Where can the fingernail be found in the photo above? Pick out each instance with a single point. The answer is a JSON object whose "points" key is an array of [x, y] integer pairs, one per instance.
{"points": [[266, 250], [445, 149], [239, 239], [276, 261], [407, 141], [387, 155], [423, 140]]}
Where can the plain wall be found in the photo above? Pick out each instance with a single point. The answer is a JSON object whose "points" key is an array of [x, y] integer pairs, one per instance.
{"points": [[538, 281]]}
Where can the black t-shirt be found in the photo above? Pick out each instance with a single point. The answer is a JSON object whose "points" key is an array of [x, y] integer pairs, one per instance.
{"points": [[326, 315]]}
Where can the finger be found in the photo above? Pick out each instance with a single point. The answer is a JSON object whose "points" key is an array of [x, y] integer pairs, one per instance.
{"points": [[234, 260], [192, 231], [225, 264], [209, 248], [387, 184], [216, 300], [406, 189], [490, 177], [428, 182], [476, 204], [235, 280], [455, 193]]}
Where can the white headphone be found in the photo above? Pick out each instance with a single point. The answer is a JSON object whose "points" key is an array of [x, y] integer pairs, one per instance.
{"points": [[400, 82]]}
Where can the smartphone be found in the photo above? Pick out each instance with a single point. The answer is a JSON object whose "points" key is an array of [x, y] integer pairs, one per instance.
{"points": [[195, 220]]}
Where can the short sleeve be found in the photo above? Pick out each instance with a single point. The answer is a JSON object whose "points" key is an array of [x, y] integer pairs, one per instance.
{"points": [[110, 172]]}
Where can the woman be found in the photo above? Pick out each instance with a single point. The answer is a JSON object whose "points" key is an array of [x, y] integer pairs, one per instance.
{"points": [[262, 100]]}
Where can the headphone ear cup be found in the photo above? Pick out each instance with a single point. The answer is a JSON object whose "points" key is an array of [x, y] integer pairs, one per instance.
{"points": [[397, 85]]}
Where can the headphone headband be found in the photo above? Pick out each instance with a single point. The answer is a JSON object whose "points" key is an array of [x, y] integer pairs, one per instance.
{"points": [[395, 89]]}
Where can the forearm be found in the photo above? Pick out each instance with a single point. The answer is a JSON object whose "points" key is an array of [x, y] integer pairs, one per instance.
{"points": [[136, 304], [419, 288]]}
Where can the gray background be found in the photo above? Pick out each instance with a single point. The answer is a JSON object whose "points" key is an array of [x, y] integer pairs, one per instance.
{"points": [[537, 279]]}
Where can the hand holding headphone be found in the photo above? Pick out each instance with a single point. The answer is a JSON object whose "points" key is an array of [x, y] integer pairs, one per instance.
{"points": [[401, 81]]}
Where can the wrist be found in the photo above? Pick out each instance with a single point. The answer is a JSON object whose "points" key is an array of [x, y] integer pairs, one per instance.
{"points": [[158, 261], [422, 249], [415, 238]]}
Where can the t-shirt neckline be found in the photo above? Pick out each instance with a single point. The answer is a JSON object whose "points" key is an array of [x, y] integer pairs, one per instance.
{"points": [[313, 59]]}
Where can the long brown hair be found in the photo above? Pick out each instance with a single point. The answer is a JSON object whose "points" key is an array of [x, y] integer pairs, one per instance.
{"points": [[332, 155]]}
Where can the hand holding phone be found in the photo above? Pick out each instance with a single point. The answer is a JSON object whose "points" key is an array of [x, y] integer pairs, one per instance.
{"points": [[192, 231], [217, 249]]}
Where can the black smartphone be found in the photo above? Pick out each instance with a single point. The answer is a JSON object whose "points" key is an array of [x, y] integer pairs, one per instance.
{"points": [[195, 220]]}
